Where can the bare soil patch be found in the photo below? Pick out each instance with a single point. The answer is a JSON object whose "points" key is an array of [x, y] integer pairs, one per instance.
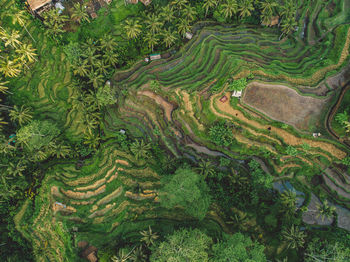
{"points": [[284, 104]]}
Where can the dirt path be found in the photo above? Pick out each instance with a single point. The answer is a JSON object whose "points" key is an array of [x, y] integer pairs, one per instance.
{"points": [[229, 113]]}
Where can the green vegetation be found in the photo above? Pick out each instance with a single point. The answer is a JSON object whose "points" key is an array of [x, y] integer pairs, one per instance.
{"points": [[155, 160]]}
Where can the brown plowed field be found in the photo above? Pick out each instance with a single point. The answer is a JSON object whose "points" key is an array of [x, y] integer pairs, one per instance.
{"points": [[284, 104]]}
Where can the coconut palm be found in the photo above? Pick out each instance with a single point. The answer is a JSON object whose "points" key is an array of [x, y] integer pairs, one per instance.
{"points": [[91, 122], [11, 39], [20, 17], [101, 67], [268, 6], [289, 198], [95, 79], [288, 9], [9, 67], [26, 52], [92, 141], [266, 18], [2, 122], [169, 37], [16, 169], [205, 168], [108, 42], [81, 68], [151, 39], [110, 58], [140, 149], [293, 237], [238, 179], [288, 25], [209, 4], [229, 8], [90, 55], [79, 13], [342, 117], [132, 28], [239, 220], [22, 114], [189, 13], [245, 8], [179, 4], [153, 23], [148, 237], [183, 26], [60, 150], [3, 87], [325, 210], [122, 256], [167, 13], [138, 255]]}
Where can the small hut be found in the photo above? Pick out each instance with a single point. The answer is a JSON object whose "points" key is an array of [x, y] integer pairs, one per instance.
{"points": [[237, 94], [188, 35], [39, 6]]}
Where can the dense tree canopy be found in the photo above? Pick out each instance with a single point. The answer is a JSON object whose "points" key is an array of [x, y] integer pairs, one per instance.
{"points": [[186, 189]]}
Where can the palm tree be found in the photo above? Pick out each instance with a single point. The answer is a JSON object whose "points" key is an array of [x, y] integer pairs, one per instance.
{"points": [[20, 17], [183, 27], [288, 9], [90, 55], [79, 13], [101, 67], [11, 39], [108, 42], [268, 6], [60, 150], [111, 58], [167, 13], [293, 237], [342, 117], [16, 169], [208, 4], [132, 28], [81, 68], [288, 25], [238, 179], [239, 220], [91, 122], [245, 8], [229, 8], [3, 87], [27, 52], [179, 4], [92, 141], [95, 79], [148, 237], [140, 149], [121, 257], [325, 210], [2, 122], [21, 115], [266, 18], [289, 198], [169, 38], [151, 39], [10, 68], [205, 168], [189, 13], [138, 255], [153, 24]]}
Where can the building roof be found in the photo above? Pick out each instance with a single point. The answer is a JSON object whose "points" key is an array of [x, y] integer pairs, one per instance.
{"points": [[237, 93], [36, 4]]}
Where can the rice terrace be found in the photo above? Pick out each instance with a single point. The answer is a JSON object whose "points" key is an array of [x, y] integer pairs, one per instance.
{"points": [[156, 130]]}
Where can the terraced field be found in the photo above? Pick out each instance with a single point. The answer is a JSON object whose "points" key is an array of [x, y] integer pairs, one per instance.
{"points": [[115, 191]]}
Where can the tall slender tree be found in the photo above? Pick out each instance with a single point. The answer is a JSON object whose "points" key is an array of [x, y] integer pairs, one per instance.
{"points": [[79, 13], [169, 37], [22, 114], [132, 28], [229, 8], [245, 8], [151, 39]]}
